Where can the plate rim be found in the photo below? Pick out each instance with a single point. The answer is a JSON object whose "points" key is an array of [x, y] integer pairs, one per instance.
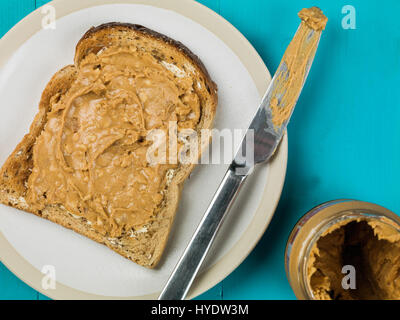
{"points": [[228, 34]]}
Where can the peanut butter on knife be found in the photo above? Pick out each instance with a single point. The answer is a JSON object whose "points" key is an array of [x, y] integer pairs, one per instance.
{"points": [[299, 52]]}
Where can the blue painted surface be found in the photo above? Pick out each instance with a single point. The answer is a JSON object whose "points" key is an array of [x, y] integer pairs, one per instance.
{"points": [[344, 138]]}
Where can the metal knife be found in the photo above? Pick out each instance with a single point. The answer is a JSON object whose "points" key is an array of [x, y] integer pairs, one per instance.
{"points": [[260, 142]]}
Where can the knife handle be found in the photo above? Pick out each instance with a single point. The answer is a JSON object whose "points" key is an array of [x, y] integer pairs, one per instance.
{"points": [[189, 264]]}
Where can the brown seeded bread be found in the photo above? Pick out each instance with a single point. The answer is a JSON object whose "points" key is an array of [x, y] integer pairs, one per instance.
{"points": [[144, 248]]}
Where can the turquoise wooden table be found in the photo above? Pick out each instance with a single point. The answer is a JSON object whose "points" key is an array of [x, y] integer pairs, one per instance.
{"points": [[344, 139]]}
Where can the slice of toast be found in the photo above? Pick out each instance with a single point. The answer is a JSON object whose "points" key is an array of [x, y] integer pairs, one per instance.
{"points": [[142, 245]]}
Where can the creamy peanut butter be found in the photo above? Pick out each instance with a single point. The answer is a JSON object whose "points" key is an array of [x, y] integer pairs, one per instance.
{"points": [[314, 18], [296, 57], [91, 155], [372, 247]]}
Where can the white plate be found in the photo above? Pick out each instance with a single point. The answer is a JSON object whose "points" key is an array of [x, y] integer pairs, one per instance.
{"points": [[29, 56]]}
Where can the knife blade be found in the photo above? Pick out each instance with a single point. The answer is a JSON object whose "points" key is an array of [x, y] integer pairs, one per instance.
{"points": [[259, 144]]}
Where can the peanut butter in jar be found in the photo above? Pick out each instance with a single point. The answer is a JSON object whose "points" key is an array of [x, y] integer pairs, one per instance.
{"points": [[345, 250]]}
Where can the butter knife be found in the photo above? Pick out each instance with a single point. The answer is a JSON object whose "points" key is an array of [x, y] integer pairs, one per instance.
{"points": [[260, 142]]}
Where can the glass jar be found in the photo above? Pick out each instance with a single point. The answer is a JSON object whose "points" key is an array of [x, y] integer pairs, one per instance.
{"points": [[315, 224]]}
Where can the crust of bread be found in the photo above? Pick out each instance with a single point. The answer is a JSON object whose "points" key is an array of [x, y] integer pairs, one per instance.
{"points": [[144, 247]]}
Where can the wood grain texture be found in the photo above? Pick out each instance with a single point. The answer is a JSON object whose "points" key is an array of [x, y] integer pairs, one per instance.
{"points": [[344, 138], [39, 3]]}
